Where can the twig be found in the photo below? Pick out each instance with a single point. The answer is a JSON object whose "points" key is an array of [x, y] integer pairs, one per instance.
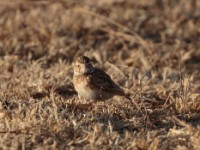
{"points": [[16, 132]]}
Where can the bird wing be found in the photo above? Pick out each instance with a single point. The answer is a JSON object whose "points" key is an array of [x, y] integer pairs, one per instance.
{"points": [[103, 81]]}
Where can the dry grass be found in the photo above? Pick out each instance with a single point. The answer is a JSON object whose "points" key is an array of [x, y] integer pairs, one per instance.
{"points": [[151, 49]]}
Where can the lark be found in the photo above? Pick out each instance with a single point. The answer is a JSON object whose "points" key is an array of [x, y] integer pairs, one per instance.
{"points": [[93, 83]]}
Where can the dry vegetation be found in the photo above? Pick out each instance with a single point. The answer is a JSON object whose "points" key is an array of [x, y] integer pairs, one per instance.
{"points": [[151, 48]]}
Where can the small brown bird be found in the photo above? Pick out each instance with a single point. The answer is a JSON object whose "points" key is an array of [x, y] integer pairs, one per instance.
{"points": [[93, 83]]}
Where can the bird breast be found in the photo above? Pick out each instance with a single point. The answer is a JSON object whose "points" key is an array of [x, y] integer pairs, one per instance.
{"points": [[84, 88], [88, 90]]}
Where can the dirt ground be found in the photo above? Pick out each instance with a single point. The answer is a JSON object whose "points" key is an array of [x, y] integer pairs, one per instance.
{"points": [[150, 48]]}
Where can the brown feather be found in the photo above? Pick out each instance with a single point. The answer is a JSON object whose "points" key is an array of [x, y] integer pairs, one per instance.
{"points": [[103, 81]]}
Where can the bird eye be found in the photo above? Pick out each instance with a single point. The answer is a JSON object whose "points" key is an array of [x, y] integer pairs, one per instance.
{"points": [[78, 66]]}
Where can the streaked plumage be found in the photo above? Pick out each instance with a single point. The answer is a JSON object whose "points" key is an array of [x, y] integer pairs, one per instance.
{"points": [[93, 83]]}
